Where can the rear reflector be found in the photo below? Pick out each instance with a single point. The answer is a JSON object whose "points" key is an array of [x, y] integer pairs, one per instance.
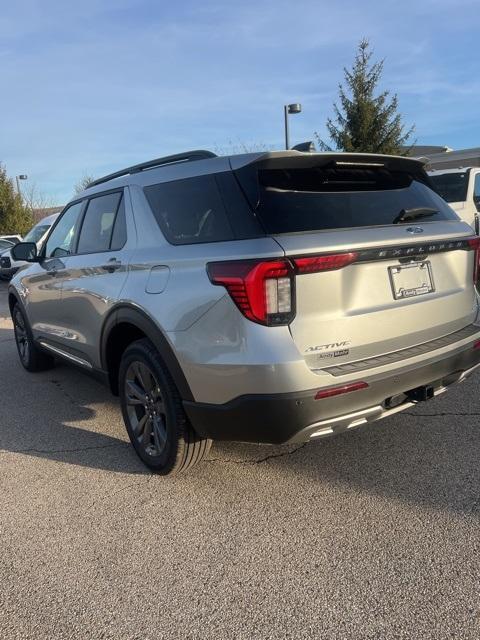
{"points": [[336, 391], [315, 264], [476, 345]]}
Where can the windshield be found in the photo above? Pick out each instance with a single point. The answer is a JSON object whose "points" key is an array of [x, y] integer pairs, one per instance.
{"points": [[451, 186], [36, 234], [5, 244], [315, 199]]}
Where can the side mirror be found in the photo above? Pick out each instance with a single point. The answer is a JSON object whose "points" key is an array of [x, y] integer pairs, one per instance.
{"points": [[26, 251]]}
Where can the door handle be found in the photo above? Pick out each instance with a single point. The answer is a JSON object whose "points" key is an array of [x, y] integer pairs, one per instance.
{"points": [[112, 265]]}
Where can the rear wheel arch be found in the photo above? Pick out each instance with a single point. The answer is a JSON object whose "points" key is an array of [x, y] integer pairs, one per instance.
{"points": [[125, 325]]}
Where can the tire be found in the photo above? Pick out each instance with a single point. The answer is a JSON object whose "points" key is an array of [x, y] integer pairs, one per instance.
{"points": [[153, 413], [31, 357]]}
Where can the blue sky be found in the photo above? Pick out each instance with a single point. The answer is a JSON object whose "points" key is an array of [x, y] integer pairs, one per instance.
{"points": [[91, 86]]}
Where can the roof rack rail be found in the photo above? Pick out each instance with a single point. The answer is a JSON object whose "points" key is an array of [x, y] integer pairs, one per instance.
{"points": [[187, 156]]}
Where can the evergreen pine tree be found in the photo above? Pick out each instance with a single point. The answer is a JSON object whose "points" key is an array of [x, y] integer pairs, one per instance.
{"points": [[15, 216], [365, 122]]}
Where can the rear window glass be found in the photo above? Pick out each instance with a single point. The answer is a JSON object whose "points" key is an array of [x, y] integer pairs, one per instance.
{"points": [[451, 186], [313, 199], [190, 211]]}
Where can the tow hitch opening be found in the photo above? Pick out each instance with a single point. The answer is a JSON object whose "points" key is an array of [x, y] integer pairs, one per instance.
{"points": [[420, 394]]}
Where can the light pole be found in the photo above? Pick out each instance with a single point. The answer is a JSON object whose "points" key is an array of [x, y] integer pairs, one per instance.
{"points": [[288, 109], [22, 176]]}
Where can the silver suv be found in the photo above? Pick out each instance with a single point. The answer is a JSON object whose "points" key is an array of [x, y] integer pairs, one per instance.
{"points": [[266, 297]]}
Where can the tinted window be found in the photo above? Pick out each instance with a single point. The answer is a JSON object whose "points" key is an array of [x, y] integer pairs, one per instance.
{"points": [[451, 186], [476, 188], [60, 241], [294, 200], [5, 244], [240, 215], [35, 234], [97, 225], [190, 211], [119, 236]]}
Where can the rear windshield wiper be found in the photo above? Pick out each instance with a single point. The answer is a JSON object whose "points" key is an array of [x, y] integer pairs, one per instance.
{"points": [[412, 214]]}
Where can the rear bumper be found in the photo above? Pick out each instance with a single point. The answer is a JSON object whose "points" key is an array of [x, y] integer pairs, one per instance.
{"points": [[297, 417]]}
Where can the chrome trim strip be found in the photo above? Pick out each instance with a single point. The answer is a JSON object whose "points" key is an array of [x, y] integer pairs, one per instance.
{"points": [[67, 356]]}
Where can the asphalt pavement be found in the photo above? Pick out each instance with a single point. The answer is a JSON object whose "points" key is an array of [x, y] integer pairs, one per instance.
{"points": [[372, 534]]}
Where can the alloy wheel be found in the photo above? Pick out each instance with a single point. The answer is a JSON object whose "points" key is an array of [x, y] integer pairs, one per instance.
{"points": [[21, 337], [145, 408]]}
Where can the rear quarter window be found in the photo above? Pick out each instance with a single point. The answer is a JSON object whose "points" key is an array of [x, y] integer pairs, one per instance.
{"points": [[190, 211]]}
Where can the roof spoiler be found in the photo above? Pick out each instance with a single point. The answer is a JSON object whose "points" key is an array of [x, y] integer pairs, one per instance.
{"points": [[293, 158], [246, 167]]}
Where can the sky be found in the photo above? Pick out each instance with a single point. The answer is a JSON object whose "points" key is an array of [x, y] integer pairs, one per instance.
{"points": [[91, 86]]}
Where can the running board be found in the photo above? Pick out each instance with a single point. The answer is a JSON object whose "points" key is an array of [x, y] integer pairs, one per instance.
{"points": [[66, 355]]}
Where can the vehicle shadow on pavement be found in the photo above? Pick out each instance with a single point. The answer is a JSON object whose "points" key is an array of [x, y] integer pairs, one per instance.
{"points": [[61, 414], [428, 456]]}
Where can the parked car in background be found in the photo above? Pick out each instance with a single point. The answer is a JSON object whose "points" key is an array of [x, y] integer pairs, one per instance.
{"points": [[6, 244], [8, 265], [266, 297], [13, 238], [460, 187]]}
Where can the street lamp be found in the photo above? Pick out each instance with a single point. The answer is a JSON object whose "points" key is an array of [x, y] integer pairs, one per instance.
{"points": [[22, 176], [288, 109]]}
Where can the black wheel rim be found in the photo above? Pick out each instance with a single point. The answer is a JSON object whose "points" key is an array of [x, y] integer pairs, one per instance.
{"points": [[145, 409], [21, 337]]}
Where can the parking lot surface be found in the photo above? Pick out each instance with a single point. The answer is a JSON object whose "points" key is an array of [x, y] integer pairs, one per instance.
{"points": [[373, 534]]}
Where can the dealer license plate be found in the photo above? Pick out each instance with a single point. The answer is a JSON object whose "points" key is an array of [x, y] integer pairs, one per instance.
{"points": [[413, 279]]}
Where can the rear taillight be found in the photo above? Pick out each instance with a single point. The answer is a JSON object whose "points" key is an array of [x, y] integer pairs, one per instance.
{"points": [[315, 264], [263, 290], [474, 244]]}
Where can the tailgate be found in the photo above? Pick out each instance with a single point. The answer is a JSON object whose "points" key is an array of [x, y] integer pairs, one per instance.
{"points": [[400, 271], [398, 291]]}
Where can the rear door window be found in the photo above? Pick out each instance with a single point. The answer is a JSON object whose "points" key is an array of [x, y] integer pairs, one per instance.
{"points": [[119, 236], [190, 211], [315, 199]]}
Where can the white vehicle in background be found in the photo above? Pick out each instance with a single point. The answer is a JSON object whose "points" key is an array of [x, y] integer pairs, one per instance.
{"points": [[456, 176], [13, 238], [6, 244], [461, 189], [37, 234]]}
